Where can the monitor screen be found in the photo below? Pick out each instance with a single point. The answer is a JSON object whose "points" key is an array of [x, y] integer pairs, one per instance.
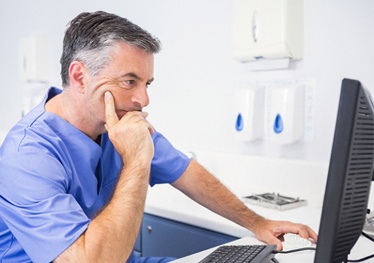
{"points": [[349, 176]]}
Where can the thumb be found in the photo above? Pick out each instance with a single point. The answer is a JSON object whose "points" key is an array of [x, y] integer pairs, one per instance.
{"points": [[272, 240]]}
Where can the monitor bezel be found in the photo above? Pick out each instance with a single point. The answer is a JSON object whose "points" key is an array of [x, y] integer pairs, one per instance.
{"points": [[339, 178]]}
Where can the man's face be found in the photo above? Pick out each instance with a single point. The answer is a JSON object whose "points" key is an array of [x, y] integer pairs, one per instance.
{"points": [[126, 77]]}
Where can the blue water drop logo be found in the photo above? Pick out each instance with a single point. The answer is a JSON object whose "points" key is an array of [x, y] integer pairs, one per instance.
{"points": [[239, 123], [278, 124]]}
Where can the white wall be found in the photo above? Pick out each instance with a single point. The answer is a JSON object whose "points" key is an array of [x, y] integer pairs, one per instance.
{"points": [[192, 96]]}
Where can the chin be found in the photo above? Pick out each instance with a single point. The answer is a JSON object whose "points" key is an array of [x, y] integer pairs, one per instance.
{"points": [[121, 113]]}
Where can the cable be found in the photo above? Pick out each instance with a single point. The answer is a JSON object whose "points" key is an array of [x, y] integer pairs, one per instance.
{"points": [[367, 236], [293, 250], [361, 259], [365, 258], [312, 248]]}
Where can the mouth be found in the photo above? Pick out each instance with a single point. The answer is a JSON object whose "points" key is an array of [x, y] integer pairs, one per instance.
{"points": [[121, 113]]}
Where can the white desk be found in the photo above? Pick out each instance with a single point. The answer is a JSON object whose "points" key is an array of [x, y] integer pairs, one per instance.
{"points": [[362, 249], [304, 257], [167, 202]]}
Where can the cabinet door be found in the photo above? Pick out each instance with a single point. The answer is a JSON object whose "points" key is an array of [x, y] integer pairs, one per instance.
{"points": [[163, 237]]}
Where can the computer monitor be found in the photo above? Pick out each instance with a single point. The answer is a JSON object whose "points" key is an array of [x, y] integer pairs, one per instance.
{"points": [[350, 175]]}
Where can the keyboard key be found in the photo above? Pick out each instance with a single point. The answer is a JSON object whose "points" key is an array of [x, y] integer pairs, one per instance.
{"points": [[241, 254]]}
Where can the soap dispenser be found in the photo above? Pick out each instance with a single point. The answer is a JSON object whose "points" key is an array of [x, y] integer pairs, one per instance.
{"points": [[285, 117], [249, 113]]}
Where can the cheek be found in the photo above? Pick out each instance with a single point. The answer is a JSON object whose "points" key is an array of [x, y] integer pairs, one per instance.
{"points": [[122, 98], [97, 107], [100, 106]]}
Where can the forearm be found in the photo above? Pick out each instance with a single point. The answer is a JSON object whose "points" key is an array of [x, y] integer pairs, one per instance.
{"points": [[111, 235], [208, 191], [204, 188]]}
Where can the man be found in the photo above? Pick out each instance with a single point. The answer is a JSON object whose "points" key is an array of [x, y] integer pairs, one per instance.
{"points": [[74, 172]]}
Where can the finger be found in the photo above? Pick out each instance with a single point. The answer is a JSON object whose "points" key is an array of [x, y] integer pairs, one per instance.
{"points": [[150, 126], [302, 230], [279, 244], [314, 236], [151, 129], [273, 240], [111, 117], [309, 233]]}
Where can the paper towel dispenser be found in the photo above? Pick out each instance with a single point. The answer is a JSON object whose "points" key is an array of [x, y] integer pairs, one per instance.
{"points": [[33, 59], [269, 29]]}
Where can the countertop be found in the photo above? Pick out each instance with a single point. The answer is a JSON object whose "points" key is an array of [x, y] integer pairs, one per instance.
{"points": [[166, 201], [246, 175]]}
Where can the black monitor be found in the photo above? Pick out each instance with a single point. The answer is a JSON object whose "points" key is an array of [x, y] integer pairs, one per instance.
{"points": [[349, 176]]}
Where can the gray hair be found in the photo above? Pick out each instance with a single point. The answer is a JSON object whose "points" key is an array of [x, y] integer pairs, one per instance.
{"points": [[90, 37]]}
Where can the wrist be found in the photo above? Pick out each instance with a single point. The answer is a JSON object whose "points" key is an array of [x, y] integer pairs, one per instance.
{"points": [[255, 222]]}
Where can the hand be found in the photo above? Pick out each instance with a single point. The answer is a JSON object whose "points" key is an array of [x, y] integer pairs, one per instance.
{"points": [[130, 135], [271, 231]]}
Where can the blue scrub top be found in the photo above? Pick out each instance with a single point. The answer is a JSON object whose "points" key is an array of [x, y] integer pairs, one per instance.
{"points": [[54, 179]]}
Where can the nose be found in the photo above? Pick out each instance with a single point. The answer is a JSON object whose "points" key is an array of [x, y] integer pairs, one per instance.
{"points": [[141, 97]]}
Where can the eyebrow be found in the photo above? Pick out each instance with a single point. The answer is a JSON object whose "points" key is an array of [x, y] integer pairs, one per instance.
{"points": [[135, 76]]}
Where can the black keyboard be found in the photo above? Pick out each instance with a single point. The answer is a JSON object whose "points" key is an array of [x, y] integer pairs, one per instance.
{"points": [[241, 254]]}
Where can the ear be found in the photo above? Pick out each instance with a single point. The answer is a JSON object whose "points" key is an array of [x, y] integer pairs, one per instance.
{"points": [[77, 72]]}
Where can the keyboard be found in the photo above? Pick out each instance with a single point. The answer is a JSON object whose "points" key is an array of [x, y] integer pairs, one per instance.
{"points": [[241, 254]]}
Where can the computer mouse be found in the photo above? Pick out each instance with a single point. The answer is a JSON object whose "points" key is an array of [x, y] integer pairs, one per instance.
{"points": [[294, 241]]}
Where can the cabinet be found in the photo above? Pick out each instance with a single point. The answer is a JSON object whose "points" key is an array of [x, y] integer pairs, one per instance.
{"points": [[164, 237]]}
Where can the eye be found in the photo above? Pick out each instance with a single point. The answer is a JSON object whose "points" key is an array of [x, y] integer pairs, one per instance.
{"points": [[149, 82], [130, 82]]}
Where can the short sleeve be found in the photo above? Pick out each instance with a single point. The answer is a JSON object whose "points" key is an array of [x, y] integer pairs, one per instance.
{"points": [[168, 163], [35, 205]]}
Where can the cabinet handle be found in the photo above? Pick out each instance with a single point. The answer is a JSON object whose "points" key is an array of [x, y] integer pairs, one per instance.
{"points": [[149, 229]]}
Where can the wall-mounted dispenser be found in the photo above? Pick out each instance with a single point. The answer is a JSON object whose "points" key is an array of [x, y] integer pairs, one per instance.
{"points": [[272, 29], [33, 70], [33, 58], [249, 113], [285, 114]]}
